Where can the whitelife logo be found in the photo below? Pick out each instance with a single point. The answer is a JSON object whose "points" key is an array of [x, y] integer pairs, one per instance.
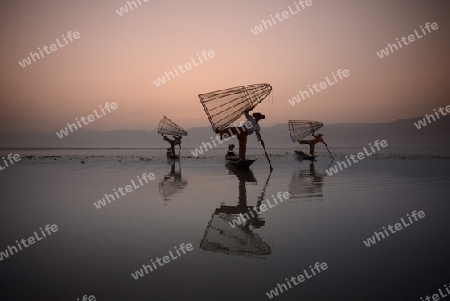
{"points": [[411, 38], [124, 9], [334, 170], [91, 118], [188, 66], [25, 62], [266, 24], [166, 259], [31, 240], [371, 240], [423, 122], [146, 177], [10, 157], [319, 87], [86, 298]]}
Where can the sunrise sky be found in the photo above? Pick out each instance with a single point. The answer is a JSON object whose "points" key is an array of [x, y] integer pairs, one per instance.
{"points": [[117, 58]]}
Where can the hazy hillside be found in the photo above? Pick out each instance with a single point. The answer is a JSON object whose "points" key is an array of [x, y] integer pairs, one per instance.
{"points": [[400, 134]]}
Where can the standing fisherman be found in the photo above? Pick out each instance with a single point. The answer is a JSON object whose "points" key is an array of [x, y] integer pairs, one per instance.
{"points": [[175, 141], [312, 143], [242, 132]]}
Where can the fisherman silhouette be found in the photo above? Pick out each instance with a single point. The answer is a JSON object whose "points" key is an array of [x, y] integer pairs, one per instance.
{"points": [[175, 141], [242, 132], [312, 143]]}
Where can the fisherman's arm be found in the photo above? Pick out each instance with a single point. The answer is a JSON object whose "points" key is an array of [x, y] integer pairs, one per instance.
{"points": [[258, 135]]}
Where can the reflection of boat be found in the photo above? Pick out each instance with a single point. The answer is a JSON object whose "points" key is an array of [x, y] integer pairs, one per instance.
{"points": [[303, 156], [238, 163], [243, 175], [306, 184], [220, 236], [172, 182]]}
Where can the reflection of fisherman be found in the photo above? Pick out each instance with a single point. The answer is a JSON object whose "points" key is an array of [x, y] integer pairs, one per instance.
{"points": [[242, 132], [307, 184], [248, 214], [231, 152], [312, 143], [172, 182], [175, 141]]}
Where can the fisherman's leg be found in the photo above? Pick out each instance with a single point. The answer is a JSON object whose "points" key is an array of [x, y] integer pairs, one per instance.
{"points": [[311, 149], [242, 138], [305, 141]]}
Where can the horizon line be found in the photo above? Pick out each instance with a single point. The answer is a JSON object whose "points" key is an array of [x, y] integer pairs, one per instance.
{"points": [[195, 127]]}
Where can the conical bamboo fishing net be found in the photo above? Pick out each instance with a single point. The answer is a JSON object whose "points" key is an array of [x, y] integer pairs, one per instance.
{"points": [[300, 129], [225, 106], [168, 127]]}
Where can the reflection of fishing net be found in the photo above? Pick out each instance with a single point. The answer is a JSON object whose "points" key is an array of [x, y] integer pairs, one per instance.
{"points": [[170, 186], [299, 129], [225, 106], [220, 237], [306, 184], [168, 127]]}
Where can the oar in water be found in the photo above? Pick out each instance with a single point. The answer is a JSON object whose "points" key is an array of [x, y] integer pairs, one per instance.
{"points": [[267, 156], [329, 151]]}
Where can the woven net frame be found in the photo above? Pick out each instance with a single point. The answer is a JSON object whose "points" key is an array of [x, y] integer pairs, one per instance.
{"points": [[168, 127], [225, 106], [220, 237], [299, 129]]}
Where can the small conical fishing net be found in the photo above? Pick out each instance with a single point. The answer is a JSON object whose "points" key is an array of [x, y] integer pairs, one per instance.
{"points": [[300, 129], [225, 106], [168, 127]]}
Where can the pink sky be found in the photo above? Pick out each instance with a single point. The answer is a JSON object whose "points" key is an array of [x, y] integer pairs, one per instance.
{"points": [[118, 57]]}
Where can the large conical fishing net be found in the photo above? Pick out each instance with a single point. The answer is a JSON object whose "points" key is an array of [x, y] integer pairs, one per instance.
{"points": [[168, 127], [225, 106], [300, 129], [220, 237]]}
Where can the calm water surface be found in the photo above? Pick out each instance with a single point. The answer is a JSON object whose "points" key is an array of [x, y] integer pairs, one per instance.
{"points": [[325, 220]]}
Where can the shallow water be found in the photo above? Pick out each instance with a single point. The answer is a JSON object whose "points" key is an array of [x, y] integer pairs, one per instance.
{"points": [[326, 219]]}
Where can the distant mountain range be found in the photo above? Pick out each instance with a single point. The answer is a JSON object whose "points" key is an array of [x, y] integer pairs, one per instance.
{"points": [[399, 134]]}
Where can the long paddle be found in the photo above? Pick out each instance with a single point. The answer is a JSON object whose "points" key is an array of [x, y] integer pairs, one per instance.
{"points": [[267, 156], [329, 151]]}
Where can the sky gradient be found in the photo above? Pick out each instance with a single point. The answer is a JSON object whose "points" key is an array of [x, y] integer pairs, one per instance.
{"points": [[117, 58]]}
